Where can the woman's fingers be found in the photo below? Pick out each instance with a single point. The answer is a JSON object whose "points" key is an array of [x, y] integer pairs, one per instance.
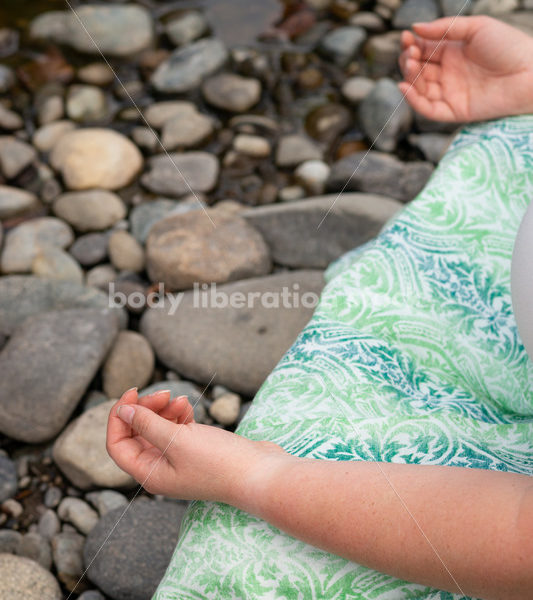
{"points": [[121, 446], [156, 401], [457, 29], [179, 409], [152, 427], [437, 109]]}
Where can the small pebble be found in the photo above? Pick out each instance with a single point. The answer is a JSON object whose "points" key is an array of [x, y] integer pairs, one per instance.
{"points": [[52, 497], [12, 507]]}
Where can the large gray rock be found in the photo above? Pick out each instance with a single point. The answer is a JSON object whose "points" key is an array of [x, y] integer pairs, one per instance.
{"points": [[237, 336], [96, 158], [116, 30], [24, 242], [177, 174], [23, 296], [313, 232], [24, 579], [416, 11], [200, 247], [131, 562], [46, 366], [379, 173], [385, 115], [14, 201], [186, 67], [80, 451]]}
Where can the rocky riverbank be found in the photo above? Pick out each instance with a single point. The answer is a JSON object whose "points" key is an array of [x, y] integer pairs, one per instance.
{"points": [[147, 152]]}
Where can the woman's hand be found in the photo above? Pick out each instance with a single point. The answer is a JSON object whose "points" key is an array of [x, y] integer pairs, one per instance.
{"points": [[482, 69], [156, 440]]}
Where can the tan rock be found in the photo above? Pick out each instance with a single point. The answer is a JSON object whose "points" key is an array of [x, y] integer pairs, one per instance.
{"points": [[80, 451], [96, 158], [204, 247], [129, 364]]}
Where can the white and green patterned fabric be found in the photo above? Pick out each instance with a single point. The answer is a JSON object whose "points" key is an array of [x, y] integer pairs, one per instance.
{"points": [[412, 356]]}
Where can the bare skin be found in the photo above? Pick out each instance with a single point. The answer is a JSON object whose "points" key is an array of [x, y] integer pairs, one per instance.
{"points": [[462, 530], [474, 536], [481, 70]]}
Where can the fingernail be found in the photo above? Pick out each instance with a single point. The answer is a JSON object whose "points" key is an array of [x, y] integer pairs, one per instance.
{"points": [[130, 390], [178, 398], [161, 392], [126, 412]]}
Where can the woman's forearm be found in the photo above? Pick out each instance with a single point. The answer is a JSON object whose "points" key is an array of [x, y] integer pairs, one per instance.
{"points": [[457, 529]]}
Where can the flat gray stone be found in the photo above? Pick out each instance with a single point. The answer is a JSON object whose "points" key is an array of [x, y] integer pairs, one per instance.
{"points": [[238, 344], [133, 560], [187, 67], [67, 551], [64, 350], [24, 579], [385, 116], [116, 30], [90, 249], [379, 173], [343, 43], [294, 149], [313, 232], [451, 8], [176, 174], [23, 296], [415, 11]]}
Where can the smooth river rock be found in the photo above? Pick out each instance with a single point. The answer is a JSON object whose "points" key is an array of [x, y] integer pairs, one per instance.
{"points": [[24, 242], [91, 210], [379, 173], [116, 30], [64, 350], [178, 173], [25, 579], [96, 158], [80, 451], [313, 232], [204, 247], [186, 67], [130, 363], [14, 201], [132, 561], [22, 296], [236, 332]]}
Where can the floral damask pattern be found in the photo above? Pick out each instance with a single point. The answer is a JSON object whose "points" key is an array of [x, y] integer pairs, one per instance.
{"points": [[412, 356]]}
